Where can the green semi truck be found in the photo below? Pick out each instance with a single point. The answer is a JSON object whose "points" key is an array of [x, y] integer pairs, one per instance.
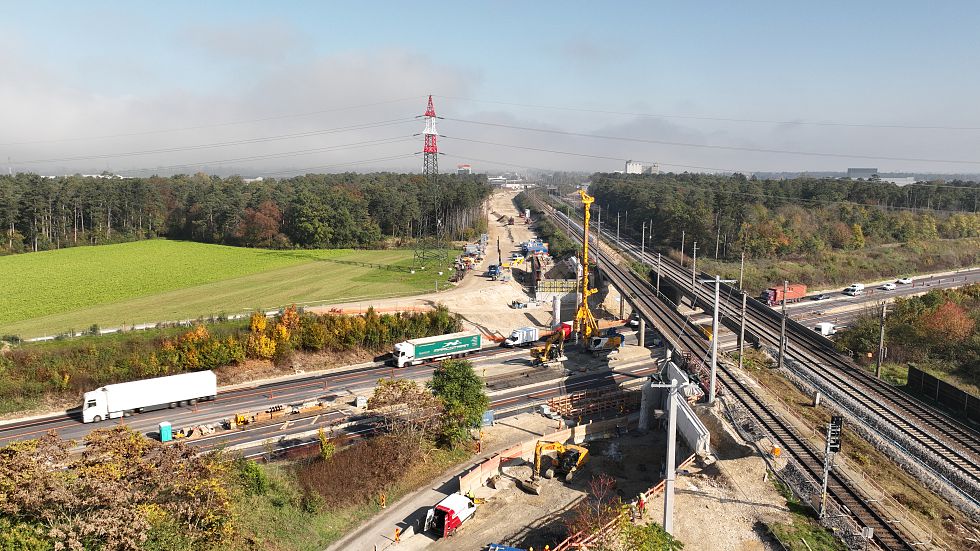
{"points": [[416, 351]]}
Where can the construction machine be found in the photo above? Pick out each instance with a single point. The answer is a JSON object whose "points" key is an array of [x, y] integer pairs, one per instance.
{"points": [[553, 349], [585, 323], [568, 459]]}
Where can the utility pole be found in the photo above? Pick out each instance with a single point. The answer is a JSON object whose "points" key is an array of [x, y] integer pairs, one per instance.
{"points": [[617, 226], [741, 271], [626, 219], [598, 225], [714, 335], [741, 332], [881, 339], [671, 445], [658, 274], [694, 271], [782, 328], [683, 232], [643, 237]]}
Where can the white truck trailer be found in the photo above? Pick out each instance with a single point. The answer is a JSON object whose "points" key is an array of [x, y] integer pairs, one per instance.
{"points": [[114, 401]]}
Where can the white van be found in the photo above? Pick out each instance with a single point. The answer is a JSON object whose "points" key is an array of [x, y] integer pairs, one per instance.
{"points": [[825, 328], [854, 290]]}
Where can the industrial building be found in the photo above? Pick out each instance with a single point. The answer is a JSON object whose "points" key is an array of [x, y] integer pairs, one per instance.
{"points": [[634, 167], [464, 169]]}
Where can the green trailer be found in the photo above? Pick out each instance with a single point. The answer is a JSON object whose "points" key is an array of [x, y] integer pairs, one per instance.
{"points": [[453, 345]]}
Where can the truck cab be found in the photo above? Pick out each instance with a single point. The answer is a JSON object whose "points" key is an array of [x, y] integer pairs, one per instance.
{"points": [[94, 407], [404, 354]]}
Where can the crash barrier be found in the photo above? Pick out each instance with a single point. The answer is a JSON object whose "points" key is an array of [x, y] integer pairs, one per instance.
{"points": [[943, 394], [524, 451], [581, 541]]}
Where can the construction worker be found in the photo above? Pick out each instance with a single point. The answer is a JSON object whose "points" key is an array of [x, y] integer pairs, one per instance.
{"points": [[470, 495], [640, 505]]}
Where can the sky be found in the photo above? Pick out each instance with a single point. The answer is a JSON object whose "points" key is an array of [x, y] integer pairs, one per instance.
{"points": [[274, 89]]}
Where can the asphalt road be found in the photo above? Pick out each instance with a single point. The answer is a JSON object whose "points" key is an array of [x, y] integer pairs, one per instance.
{"points": [[340, 388]]}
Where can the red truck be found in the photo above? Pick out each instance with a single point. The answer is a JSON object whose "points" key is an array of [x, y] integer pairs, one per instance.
{"points": [[774, 295]]}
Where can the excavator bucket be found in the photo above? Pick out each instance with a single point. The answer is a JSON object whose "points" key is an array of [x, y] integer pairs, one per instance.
{"points": [[532, 486]]}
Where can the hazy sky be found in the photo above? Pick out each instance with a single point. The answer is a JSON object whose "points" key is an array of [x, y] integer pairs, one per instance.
{"points": [[351, 75]]}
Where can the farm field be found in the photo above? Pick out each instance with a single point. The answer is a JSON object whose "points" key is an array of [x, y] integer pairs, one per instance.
{"points": [[52, 292]]}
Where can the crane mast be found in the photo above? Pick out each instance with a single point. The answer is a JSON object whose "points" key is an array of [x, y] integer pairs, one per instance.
{"points": [[585, 324]]}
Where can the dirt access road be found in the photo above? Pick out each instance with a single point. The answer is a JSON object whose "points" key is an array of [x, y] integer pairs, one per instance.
{"points": [[482, 303]]}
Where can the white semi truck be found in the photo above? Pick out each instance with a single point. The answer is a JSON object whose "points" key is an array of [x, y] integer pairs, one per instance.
{"points": [[453, 345], [114, 401]]}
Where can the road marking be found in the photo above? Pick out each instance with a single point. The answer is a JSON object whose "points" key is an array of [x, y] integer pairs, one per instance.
{"points": [[284, 425], [315, 418]]}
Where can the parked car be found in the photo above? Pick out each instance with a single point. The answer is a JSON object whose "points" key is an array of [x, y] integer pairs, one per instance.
{"points": [[888, 287], [634, 320], [821, 296], [904, 280]]}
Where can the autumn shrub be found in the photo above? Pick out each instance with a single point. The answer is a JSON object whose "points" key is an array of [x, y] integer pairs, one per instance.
{"points": [[252, 477], [358, 473], [30, 371]]}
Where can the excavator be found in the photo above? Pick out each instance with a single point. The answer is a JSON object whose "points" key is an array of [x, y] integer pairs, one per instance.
{"points": [[568, 459], [553, 349], [598, 343]]}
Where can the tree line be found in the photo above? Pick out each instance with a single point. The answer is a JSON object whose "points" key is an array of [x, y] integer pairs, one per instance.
{"points": [[311, 211], [768, 218]]}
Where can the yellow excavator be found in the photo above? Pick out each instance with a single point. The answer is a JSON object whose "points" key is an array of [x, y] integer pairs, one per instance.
{"points": [[553, 349], [585, 323], [568, 459]]}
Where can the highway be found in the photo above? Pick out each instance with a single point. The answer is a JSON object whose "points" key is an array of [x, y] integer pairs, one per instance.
{"points": [[337, 388]]}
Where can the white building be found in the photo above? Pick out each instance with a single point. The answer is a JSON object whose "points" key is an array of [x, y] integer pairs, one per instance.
{"points": [[652, 169], [464, 169], [634, 167]]}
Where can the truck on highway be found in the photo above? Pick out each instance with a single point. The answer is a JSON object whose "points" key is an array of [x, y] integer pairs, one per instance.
{"points": [[117, 400], [774, 295], [416, 351], [522, 336]]}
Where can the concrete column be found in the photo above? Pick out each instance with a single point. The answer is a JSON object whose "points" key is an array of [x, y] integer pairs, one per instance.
{"points": [[646, 398], [622, 307], [671, 460], [556, 310], [643, 332]]}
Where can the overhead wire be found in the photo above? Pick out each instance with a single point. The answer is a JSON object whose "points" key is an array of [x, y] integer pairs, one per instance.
{"points": [[905, 126], [212, 125], [710, 146], [251, 158], [245, 141]]}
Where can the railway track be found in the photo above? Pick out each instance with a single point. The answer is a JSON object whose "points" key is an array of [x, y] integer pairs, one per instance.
{"points": [[683, 337], [947, 448]]}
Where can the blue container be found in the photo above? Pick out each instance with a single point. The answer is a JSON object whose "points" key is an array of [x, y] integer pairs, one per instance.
{"points": [[487, 420], [166, 432]]}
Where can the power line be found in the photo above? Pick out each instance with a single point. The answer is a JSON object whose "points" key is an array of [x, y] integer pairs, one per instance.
{"points": [[213, 125], [722, 119], [708, 146], [221, 144], [321, 167], [354, 145]]}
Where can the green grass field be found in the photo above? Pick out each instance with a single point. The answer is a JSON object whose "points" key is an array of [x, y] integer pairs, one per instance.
{"points": [[53, 292]]}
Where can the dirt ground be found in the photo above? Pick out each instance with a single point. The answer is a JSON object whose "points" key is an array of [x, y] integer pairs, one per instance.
{"points": [[724, 506], [483, 303], [719, 507]]}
